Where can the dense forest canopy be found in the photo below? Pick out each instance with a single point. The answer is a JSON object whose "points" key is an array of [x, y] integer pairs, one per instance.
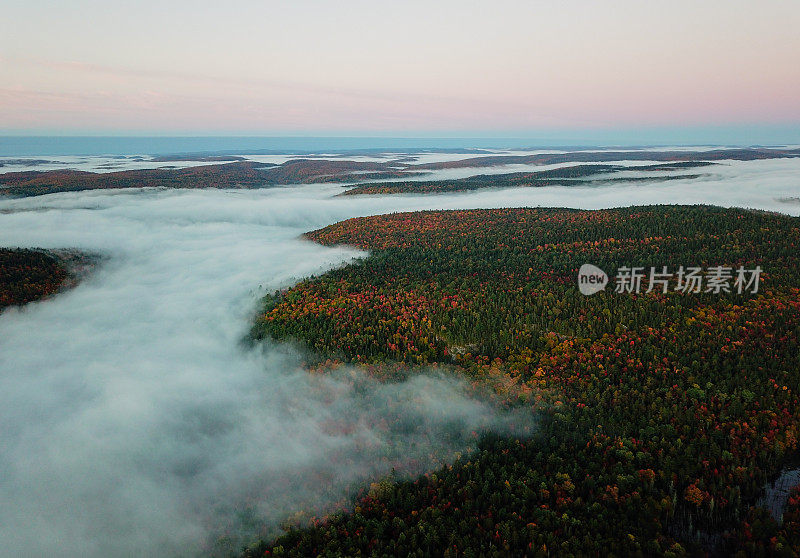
{"points": [[663, 414], [29, 275]]}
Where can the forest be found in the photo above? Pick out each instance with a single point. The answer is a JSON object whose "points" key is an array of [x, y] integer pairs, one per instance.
{"points": [[237, 174], [577, 175], [28, 275], [661, 415]]}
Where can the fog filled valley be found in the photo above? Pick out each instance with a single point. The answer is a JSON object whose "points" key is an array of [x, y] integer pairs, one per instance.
{"points": [[138, 420]]}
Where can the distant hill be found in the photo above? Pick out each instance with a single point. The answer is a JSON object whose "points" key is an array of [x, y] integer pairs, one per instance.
{"points": [[252, 174], [577, 175]]}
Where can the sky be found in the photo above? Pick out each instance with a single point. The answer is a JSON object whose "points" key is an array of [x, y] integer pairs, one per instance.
{"points": [[504, 68]]}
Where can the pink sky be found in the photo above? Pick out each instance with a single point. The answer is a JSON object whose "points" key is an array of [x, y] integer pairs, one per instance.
{"points": [[374, 67]]}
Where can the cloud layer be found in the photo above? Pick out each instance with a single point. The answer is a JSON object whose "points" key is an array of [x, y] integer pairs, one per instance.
{"points": [[136, 423]]}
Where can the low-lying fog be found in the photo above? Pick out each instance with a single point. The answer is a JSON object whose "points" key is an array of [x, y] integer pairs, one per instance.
{"points": [[134, 422]]}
